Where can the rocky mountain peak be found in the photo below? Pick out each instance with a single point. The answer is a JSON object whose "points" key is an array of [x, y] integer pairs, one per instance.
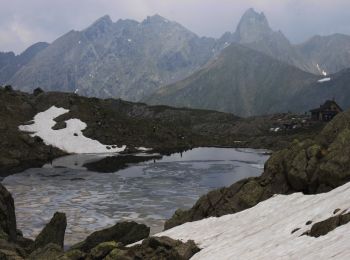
{"points": [[105, 20], [252, 26], [155, 19], [101, 25]]}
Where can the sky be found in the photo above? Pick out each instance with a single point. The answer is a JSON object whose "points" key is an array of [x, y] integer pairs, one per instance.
{"points": [[24, 22]]}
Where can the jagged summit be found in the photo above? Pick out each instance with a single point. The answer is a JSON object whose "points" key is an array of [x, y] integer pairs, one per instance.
{"points": [[100, 26], [106, 19], [155, 19], [252, 26]]}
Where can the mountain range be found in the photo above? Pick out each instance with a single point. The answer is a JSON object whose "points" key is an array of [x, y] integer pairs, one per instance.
{"points": [[125, 59], [253, 70], [238, 81]]}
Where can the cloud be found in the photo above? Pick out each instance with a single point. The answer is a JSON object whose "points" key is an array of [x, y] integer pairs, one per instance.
{"points": [[24, 22]]}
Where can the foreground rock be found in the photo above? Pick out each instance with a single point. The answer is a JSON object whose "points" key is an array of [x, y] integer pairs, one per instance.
{"points": [[53, 232], [324, 227], [8, 229], [311, 166], [49, 251], [150, 248], [123, 232]]}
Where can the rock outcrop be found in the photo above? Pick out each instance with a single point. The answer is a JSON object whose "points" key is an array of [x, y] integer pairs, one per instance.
{"points": [[123, 232], [53, 232], [8, 229], [324, 227], [310, 166], [150, 248]]}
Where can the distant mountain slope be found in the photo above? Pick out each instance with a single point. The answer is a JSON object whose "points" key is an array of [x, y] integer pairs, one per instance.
{"points": [[315, 94], [11, 63], [330, 53], [124, 59], [254, 31], [241, 81]]}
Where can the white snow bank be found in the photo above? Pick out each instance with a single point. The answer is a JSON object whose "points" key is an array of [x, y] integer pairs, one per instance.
{"points": [[69, 139], [324, 80], [264, 231], [144, 149]]}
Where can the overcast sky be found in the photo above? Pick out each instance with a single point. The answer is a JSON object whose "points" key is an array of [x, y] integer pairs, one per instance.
{"points": [[24, 22]]}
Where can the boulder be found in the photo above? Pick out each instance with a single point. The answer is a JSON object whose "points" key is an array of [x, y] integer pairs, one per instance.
{"points": [[37, 91], [163, 248], [118, 254], [49, 251], [12, 247], [324, 227], [53, 232], [9, 255], [123, 232], [8, 88], [73, 255], [7, 215], [102, 250]]}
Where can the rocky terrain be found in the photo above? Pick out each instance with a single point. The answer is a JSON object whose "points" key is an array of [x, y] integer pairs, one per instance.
{"points": [[105, 244], [310, 166], [164, 129]]}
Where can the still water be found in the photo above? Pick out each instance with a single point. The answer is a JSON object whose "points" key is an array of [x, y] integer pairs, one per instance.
{"points": [[147, 192]]}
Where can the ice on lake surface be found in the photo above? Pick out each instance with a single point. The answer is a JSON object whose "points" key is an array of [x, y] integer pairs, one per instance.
{"points": [[147, 192]]}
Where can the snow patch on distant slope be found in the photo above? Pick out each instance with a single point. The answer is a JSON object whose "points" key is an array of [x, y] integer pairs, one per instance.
{"points": [[323, 72], [324, 80], [69, 139], [265, 231]]}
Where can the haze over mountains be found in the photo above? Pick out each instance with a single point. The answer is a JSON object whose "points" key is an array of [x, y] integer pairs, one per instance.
{"points": [[253, 70]]}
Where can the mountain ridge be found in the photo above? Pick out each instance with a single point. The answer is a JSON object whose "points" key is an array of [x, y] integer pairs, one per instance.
{"points": [[131, 60], [236, 82]]}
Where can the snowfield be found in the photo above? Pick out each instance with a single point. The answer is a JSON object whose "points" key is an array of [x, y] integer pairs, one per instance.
{"points": [[69, 139], [265, 231], [324, 80]]}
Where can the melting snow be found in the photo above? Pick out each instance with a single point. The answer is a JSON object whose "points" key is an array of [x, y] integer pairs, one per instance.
{"points": [[324, 80], [69, 139], [143, 149], [324, 73], [265, 231]]}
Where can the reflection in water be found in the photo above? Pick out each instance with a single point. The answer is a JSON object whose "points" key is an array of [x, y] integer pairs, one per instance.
{"points": [[147, 192]]}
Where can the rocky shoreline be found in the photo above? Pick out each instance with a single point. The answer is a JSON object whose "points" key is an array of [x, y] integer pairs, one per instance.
{"points": [[310, 166], [164, 129], [109, 243]]}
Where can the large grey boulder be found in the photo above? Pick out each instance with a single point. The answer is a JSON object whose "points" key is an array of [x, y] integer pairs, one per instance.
{"points": [[53, 232], [123, 232]]}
